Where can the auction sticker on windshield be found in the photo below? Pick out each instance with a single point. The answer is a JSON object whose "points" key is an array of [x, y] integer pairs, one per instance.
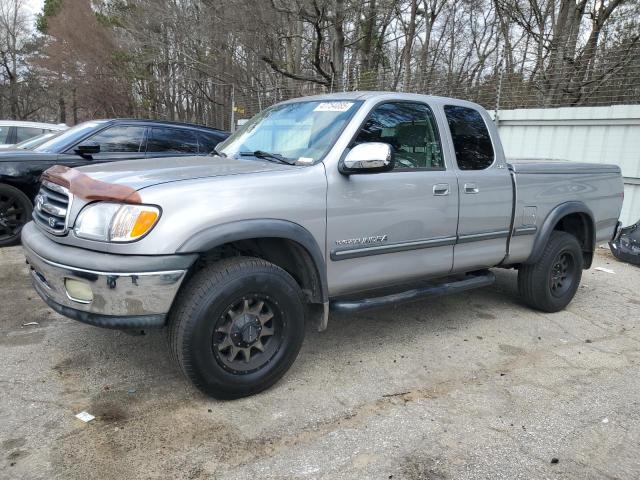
{"points": [[333, 107]]}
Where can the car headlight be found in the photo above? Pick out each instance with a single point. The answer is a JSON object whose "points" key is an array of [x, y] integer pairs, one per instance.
{"points": [[115, 222]]}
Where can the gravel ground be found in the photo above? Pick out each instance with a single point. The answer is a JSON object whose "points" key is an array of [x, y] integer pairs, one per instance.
{"points": [[468, 386]]}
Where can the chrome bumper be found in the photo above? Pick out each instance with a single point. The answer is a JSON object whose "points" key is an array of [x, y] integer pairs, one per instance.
{"points": [[120, 300], [103, 289]]}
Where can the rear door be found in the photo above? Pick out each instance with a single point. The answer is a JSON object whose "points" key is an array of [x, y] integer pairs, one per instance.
{"points": [[171, 142], [485, 191], [386, 228]]}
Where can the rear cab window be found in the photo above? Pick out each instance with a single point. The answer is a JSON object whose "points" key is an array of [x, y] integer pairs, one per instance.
{"points": [[470, 136]]}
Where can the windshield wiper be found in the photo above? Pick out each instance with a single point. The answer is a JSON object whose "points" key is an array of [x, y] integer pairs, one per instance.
{"points": [[220, 153], [274, 157]]}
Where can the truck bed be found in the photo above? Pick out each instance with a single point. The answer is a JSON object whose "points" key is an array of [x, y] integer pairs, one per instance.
{"points": [[544, 184]]}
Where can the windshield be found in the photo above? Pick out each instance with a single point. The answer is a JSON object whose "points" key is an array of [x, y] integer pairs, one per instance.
{"points": [[57, 143], [303, 131]]}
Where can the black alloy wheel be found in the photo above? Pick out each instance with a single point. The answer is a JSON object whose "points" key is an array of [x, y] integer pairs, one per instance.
{"points": [[237, 326], [15, 212], [248, 334], [562, 274], [551, 283]]}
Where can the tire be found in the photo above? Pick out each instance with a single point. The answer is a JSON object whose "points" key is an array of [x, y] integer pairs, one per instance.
{"points": [[217, 320], [551, 283], [15, 212]]}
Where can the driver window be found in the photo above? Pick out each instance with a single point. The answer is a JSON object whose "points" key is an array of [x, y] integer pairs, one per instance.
{"points": [[412, 132], [120, 139]]}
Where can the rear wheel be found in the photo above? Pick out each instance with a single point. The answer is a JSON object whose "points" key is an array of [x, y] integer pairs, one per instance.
{"points": [[551, 283], [237, 327], [15, 211]]}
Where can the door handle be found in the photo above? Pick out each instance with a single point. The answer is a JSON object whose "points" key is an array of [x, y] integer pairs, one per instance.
{"points": [[441, 189], [471, 188]]}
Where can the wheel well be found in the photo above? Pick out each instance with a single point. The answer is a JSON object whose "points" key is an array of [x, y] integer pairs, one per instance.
{"points": [[580, 226], [287, 254], [29, 191]]}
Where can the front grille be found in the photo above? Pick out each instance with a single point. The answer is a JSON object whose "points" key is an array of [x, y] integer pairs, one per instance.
{"points": [[51, 210]]}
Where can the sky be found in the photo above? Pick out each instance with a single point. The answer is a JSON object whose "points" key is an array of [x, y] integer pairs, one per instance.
{"points": [[33, 6]]}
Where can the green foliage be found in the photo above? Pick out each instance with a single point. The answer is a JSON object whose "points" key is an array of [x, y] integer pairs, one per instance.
{"points": [[49, 9], [107, 20]]}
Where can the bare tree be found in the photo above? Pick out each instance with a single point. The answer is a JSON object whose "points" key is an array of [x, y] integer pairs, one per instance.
{"points": [[13, 35], [196, 60]]}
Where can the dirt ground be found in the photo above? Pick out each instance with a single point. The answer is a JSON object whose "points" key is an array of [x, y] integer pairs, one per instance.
{"points": [[468, 386]]}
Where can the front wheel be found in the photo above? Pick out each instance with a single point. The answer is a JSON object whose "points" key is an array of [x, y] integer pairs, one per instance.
{"points": [[237, 326], [551, 283], [15, 211]]}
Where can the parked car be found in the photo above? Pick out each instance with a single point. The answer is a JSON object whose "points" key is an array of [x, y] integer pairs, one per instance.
{"points": [[340, 202], [625, 246], [90, 142], [16, 131]]}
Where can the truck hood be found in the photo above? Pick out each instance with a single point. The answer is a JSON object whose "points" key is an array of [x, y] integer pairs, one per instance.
{"points": [[138, 174]]}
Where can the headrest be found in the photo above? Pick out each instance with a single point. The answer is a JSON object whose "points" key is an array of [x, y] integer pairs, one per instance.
{"points": [[412, 135]]}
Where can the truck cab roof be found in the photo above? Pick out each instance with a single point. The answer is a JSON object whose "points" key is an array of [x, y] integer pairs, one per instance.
{"points": [[375, 96]]}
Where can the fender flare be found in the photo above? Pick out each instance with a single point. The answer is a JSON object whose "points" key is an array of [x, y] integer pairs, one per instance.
{"points": [[557, 214], [217, 235]]}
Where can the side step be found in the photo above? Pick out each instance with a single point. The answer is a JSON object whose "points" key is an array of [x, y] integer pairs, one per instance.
{"points": [[476, 280]]}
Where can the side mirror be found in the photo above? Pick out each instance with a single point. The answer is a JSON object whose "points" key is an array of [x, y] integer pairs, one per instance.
{"points": [[87, 149], [370, 157]]}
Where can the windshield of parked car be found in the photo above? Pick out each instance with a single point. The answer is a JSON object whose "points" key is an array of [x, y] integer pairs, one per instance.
{"points": [[302, 131], [59, 142]]}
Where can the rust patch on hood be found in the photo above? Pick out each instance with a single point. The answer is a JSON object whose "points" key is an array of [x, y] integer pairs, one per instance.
{"points": [[87, 188]]}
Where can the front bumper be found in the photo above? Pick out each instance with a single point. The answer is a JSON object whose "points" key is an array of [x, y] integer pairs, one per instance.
{"points": [[137, 297]]}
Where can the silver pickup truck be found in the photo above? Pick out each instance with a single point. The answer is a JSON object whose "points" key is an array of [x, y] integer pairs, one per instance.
{"points": [[340, 202]]}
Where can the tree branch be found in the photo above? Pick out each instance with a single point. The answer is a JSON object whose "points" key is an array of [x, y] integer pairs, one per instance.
{"points": [[277, 68]]}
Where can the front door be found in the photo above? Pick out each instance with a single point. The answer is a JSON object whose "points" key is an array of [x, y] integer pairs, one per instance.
{"points": [[386, 228], [485, 191], [118, 142]]}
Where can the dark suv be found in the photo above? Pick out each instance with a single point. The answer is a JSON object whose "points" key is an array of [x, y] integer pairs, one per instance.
{"points": [[91, 142]]}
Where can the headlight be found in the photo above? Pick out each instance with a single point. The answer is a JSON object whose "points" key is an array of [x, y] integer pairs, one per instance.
{"points": [[115, 222]]}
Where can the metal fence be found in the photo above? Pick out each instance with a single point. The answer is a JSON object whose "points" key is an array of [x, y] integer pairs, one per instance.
{"points": [[613, 79]]}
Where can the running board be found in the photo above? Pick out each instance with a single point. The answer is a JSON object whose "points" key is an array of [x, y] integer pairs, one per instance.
{"points": [[476, 280]]}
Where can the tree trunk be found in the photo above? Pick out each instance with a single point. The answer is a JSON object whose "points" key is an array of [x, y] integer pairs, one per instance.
{"points": [[337, 60], [505, 35], [62, 109], [563, 49], [366, 45], [408, 46], [74, 105]]}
